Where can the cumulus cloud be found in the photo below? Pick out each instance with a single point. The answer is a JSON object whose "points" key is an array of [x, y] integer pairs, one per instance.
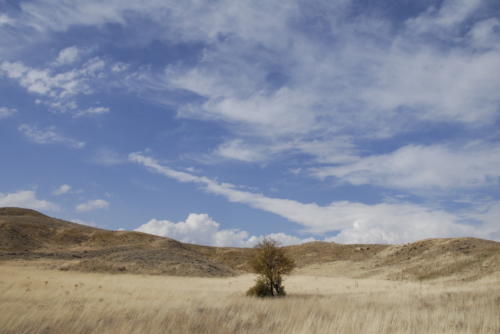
{"points": [[26, 199], [357, 222], [417, 167], [7, 112], [48, 136], [202, 229], [62, 189], [92, 205]]}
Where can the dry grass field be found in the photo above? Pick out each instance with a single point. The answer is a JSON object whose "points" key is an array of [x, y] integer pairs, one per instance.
{"points": [[61, 277], [34, 300]]}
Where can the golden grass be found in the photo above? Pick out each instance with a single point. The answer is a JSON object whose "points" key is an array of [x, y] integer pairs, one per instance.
{"points": [[45, 301]]}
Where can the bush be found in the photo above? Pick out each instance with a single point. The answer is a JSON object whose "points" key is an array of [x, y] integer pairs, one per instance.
{"points": [[270, 263], [260, 289]]}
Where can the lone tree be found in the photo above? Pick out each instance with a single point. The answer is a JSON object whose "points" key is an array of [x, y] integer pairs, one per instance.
{"points": [[270, 262]]}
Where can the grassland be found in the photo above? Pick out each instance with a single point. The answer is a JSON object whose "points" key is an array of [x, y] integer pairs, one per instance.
{"points": [[34, 300]]}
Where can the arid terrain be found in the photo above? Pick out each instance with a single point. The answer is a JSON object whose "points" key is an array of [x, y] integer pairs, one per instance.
{"points": [[61, 277]]}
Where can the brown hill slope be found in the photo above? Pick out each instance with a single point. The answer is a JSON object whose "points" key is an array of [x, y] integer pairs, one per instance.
{"points": [[448, 258], [27, 234]]}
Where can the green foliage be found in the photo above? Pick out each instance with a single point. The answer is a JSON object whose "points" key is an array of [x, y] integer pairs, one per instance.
{"points": [[270, 263]]}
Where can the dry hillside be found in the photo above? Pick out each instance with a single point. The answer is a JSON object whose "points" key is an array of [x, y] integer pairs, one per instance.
{"points": [[29, 235]]}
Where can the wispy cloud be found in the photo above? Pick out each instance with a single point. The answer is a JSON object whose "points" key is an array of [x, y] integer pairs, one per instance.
{"points": [[93, 111], [48, 136], [416, 167], [353, 83], [92, 205], [355, 222], [406, 101], [62, 189], [7, 112], [108, 157], [5, 20]]}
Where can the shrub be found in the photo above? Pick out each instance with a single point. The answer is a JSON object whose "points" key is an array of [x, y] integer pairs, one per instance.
{"points": [[270, 263], [260, 289]]}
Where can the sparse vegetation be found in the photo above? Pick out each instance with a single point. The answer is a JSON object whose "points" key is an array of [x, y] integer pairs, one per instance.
{"points": [[119, 304], [270, 263], [431, 286]]}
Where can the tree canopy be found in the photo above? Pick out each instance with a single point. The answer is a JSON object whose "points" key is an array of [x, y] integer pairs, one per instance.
{"points": [[270, 262]]}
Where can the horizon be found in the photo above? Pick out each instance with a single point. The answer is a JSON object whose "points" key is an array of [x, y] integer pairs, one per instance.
{"points": [[223, 123], [246, 246]]}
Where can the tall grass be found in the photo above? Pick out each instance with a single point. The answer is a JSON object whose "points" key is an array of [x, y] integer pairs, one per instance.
{"points": [[44, 301]]}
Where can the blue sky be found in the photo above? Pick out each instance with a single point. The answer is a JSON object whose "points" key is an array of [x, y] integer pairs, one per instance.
{"points": [[222, 122]]}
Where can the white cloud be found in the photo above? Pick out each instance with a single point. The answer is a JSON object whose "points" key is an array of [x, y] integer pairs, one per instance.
{"points": [[416, 167], [357, 222], [43, 82], [55, 88], [108, 157], [489, 213], [26, 199], [359, 82], [92, 205], [92, 111], [398, 223], [486, 34], [403, 75], [202, 229], [119, 67], [5, 20], [450, 15], [348, 76], [63, 189], [67, 56], [236, 149], [365, 85], [7, 112], [48, 136], [339, 150], [456, 86]]}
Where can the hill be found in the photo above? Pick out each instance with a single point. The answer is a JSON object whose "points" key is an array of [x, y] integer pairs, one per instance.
{"points": [[27, 234], [30, 235]]}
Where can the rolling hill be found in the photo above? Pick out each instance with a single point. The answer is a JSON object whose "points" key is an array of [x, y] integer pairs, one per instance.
{"points": [[30, 235]]}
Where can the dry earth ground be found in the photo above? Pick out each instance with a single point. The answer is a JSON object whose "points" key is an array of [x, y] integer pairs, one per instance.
{"points": [[34, 300]]}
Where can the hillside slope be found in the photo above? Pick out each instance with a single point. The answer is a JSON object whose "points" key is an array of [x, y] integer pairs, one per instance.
{"points": [[30, 235]]}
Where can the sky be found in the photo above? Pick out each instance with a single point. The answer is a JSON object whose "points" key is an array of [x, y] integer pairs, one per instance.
{"points": [[223, 122]]}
